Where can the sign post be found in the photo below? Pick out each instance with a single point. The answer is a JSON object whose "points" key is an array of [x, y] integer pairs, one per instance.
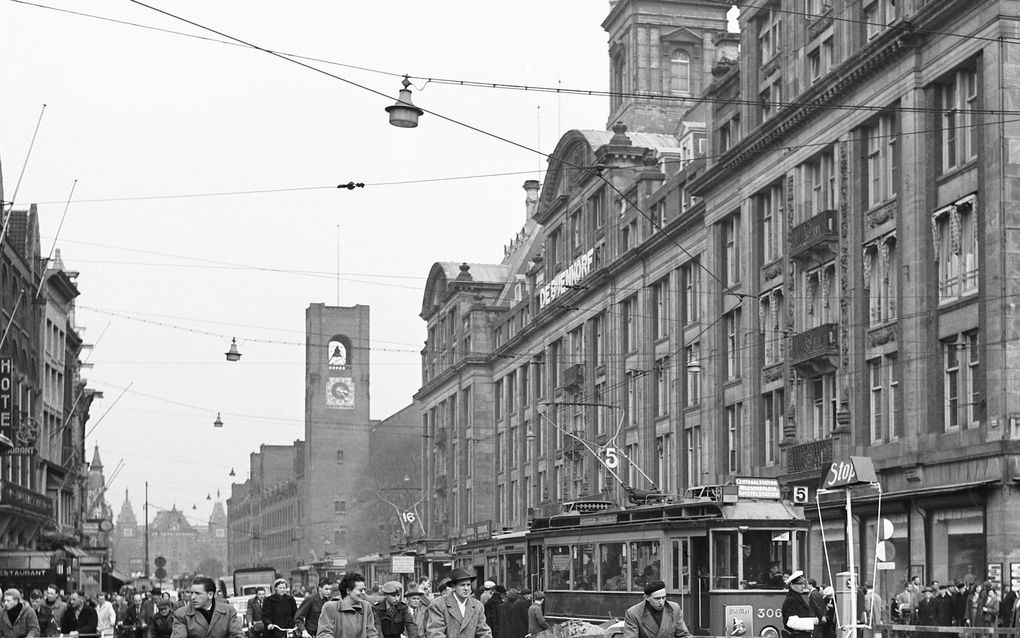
{"points": [[844, 476]]}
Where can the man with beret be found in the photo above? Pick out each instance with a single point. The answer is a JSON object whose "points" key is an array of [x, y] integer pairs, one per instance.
{"points": [[456, 614], [799, 619], [655, 617], [392, 616]]}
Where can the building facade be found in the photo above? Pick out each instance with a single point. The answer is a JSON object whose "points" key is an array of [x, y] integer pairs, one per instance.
{"points": [[814, 261], [44, 406]]}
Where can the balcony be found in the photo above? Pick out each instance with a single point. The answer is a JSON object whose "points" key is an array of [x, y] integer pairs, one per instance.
{"points": [[807, 460], [815, 241], [815, 352], [572, 378]]}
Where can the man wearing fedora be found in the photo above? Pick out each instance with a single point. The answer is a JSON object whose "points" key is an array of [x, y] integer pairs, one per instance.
{"points": [[418, 605], [457, 614], [655, 617]]}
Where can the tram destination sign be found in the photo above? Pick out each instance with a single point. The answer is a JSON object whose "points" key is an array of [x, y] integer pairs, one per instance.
{"points": [[765, 488]]}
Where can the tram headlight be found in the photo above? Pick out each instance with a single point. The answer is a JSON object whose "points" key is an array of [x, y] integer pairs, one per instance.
{"points": [[769, 632]]}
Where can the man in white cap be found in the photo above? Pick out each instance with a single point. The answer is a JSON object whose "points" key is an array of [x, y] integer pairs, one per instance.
{"points": [[487, 593], [798, 618]]}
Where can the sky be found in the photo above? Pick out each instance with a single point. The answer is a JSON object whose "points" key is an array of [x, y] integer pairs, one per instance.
{"points": [[144, 131]]}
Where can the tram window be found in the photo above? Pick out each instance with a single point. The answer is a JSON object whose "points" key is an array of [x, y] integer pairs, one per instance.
{"points": [[613, 563], [644, 564], [724, 551], [681, 566], [767, 555], [584, 567], [559, 567], [514, 571]]}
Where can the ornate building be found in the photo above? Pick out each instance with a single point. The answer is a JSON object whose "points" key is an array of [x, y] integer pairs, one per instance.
{"points": [[189, 548], [815, 261]]}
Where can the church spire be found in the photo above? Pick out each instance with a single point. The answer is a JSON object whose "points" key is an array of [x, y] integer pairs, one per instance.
{"points": [[97, 463]]}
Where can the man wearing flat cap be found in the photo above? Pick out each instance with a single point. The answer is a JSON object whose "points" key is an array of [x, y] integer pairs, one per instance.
{"points": [[456, 614], [392, 615], [655, 617], [798, 618]]}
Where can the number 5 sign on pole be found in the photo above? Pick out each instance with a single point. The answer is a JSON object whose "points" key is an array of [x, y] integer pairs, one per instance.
{"points": [[612, 458]]}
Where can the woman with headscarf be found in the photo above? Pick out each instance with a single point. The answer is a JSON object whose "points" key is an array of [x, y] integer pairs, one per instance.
{"points": [[278, 610]]}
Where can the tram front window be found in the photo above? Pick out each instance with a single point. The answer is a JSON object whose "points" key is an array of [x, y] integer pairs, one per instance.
{"points": [[559, 567], [767, 556], [612, 558], [644, 564]]}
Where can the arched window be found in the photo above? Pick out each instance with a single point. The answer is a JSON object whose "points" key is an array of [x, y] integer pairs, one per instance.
{"points": [[680, 72], [339, 351]]}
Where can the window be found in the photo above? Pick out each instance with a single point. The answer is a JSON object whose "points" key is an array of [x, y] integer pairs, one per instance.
{"points": [[627, 324], [963, 400], [733, 438], [680, 72], [664, 462], [732, 326], [662, 388], [876, 403], [729, 133], [613, 557], [818, 178], [881, 269], [821, 294], [598, 326], [893, 372], [817, 7], [659, 218], [645, 565], [730, 229], [771, 99], [497, 400], [877, 15], [693, 444], [774, 409], [576, 230], [597, 212], [882, 167], [339, 456], [955, 231], [553, 249], [771, 312], [821, 399], [661, 307], [690, 280], [957, 98], [631, 454], [814, 62], [693, 367], [769, 28], [771, 212], [632, 403]]}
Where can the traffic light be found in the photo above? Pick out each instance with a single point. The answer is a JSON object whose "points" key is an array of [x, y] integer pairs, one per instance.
{"points": [[160, 573]]}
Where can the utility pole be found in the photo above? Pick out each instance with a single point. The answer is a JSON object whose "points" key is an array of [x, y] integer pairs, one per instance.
{"points": [[146, 529]]}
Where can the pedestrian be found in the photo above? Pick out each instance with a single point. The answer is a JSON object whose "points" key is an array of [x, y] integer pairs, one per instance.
{"points": [[307, 616], [278, 610], [990, 604], [253, 616], [536, 616], [491, 608], [51, 612], [162, 625], [457, 614], [204, 618], [974, 616], [927, 609], [1006, 606], [944, 607], [441, 587], [425, 587], [655, 617], [419, 606], [798, 618], [487, 590], [393, 618], [348, 614], [80, 617], [106, 615], [18, 620]]}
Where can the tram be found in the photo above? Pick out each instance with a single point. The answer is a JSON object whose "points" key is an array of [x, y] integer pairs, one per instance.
{"points": [[721, 550]]}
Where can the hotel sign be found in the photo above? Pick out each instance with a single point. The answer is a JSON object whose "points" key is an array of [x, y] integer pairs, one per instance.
{"points": [[7, 398], [565, 279]]}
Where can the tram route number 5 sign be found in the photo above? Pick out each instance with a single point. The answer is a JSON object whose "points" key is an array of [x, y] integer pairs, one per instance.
{"points": [[856, 470]]}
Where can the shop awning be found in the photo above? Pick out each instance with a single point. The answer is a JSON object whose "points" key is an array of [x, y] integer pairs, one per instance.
{"points": [[74, 551], [919, 492], [116, 575]]}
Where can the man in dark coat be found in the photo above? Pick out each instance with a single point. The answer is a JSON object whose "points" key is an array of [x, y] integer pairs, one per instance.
{"points": [[254, 614], [655, 617], [80, 617], [959, 598], [944, 607], [492, 609], [799, 619], [307, 617], [18, 619], [927, 610], [457, 614], [393, 617]]}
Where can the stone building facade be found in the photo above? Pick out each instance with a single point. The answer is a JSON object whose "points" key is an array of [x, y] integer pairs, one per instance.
{"points": [[815, 260]]}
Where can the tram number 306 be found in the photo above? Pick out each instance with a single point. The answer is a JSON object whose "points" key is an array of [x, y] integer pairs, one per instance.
{"points": [[769, 613]]}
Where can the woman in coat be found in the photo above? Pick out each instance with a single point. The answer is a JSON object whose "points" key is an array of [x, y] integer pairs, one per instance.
{"points": [[278, 610], [348, 614], [17, 620]]}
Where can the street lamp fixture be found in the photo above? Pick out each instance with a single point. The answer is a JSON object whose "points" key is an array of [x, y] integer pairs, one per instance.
{"points": [[218, 423], [232, 353], [404, 113], [232, 472]]}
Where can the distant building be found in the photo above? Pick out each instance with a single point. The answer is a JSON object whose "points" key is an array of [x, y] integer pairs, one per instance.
{"points": [[317, 507], [188, 548]]}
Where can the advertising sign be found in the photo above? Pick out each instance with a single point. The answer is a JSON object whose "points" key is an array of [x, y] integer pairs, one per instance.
{"points": [[739, 620], [403, 564], [7, 398]]}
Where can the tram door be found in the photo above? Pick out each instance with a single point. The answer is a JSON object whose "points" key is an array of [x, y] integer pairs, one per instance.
{"points": [[699, 584]]}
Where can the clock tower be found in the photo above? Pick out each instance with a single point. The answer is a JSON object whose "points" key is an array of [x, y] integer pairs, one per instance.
{"points": [[335, 454]]}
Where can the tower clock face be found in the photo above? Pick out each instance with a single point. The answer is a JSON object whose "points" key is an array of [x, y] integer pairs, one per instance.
{"points": [[340, 392]]}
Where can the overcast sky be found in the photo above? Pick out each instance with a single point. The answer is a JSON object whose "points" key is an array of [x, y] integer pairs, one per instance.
{"points": [[138, 113]]}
